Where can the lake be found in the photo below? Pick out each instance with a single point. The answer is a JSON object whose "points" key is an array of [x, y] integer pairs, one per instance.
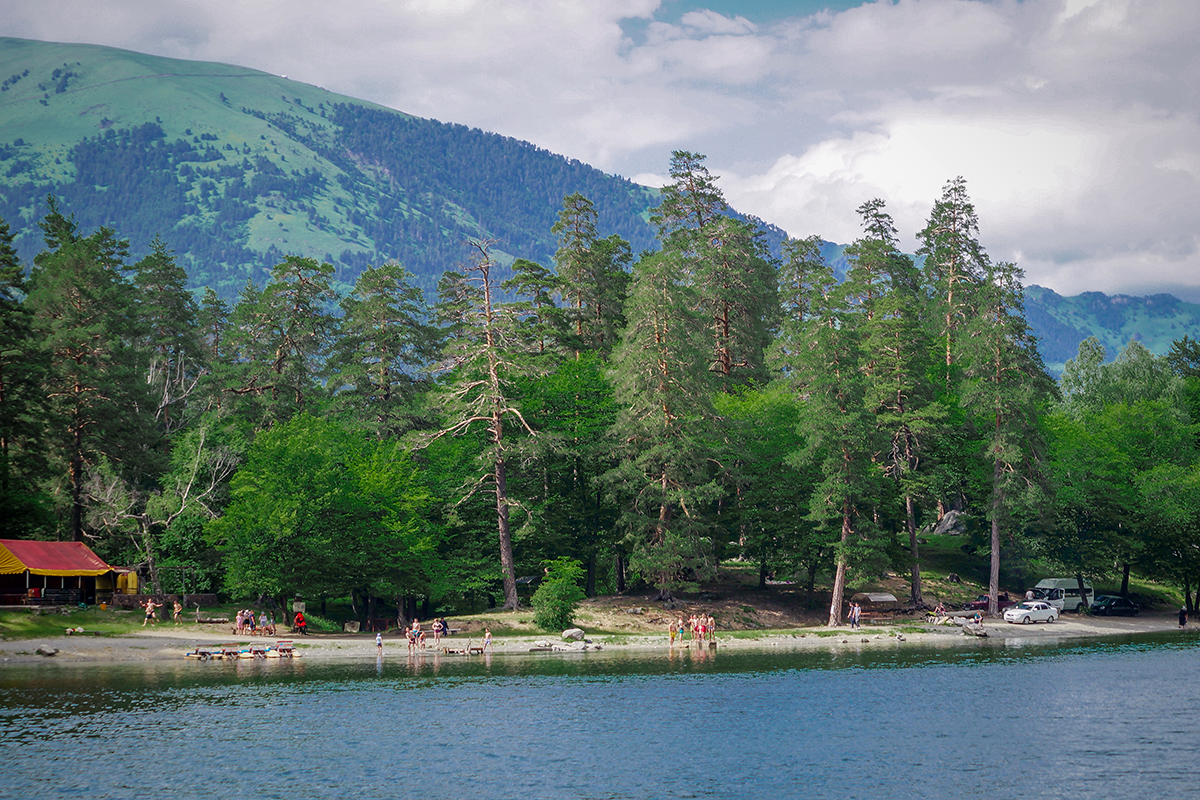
{"points": [[1091, 718]]}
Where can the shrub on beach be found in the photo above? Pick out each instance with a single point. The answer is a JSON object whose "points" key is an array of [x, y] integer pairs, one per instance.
{"points": [[555, 600]]}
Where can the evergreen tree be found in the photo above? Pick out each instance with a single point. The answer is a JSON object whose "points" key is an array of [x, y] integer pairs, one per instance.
{"points": [[278, 340], [1005, 387], [883, 285], [22, 405], [726, 261], [385, 346], [483, 357], [592, 276], [664, 480], [86, 318], [955, 264], [168, 314], [821, 356]]}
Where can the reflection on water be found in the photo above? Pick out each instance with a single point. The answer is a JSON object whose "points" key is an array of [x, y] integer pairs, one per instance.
{"points": [[1097, 718]]}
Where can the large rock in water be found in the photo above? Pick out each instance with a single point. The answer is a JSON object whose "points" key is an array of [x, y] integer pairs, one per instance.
{"points": [[572, 633]]}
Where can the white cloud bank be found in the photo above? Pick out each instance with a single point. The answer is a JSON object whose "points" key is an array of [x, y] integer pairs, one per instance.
{"points": [[1075, 122]]}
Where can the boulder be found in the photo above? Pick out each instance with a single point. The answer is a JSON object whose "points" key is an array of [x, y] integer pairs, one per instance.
{"points": [[351, 626], [46, 650], [572, 633], [953, 523]]}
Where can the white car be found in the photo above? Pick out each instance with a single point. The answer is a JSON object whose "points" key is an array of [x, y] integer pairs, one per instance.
{"points": [[1031, 611]]}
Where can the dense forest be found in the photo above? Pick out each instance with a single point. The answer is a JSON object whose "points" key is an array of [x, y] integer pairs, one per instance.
{"points": [[641, 416]]}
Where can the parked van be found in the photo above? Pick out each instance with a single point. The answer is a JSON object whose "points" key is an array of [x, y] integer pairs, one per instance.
{"points": [[1063, 593]]}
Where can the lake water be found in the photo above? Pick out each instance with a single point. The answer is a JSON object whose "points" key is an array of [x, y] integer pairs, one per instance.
{"points": [[1111, 718]]}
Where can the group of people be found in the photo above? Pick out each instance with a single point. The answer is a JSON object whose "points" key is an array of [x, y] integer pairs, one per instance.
{"points": [[701, 626], [854, 615], [245, 624], [418, 637]]}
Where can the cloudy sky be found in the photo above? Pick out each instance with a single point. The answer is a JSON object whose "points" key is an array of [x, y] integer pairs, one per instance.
{"points": [[1075, 122]]}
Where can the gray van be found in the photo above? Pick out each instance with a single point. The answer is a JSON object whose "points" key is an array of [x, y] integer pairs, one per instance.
{"points": [[1063, 593]]}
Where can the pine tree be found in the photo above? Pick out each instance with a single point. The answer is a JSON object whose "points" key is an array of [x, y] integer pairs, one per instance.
{"points": [[820, 354], [662, 437], [884, 285], [954, 266], [592, 276], [22, 404], [385, 347], [483, 357], [85, 315], [168, 312], [1005, 386], [726, 261]]}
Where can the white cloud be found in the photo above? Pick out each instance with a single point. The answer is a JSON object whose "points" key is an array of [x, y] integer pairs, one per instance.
{"points": [[1075, 122]]}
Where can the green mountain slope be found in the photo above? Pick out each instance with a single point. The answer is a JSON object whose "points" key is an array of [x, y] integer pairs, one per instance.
{"points": [[235, 168], [1062, 323]]}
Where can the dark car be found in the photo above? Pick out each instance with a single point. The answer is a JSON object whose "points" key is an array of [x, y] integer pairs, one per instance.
{"points": [[1113, 606], [980, 603]]}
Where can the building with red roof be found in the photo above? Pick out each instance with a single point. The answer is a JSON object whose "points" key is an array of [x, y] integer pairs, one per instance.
{"points": [[63, 572]]}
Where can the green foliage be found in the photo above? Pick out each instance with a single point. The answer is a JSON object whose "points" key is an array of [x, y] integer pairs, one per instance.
{"points": [[557, 596], [320, 510]]}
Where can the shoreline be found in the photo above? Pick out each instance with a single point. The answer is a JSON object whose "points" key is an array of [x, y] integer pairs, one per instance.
{"points": [[169, 643]]}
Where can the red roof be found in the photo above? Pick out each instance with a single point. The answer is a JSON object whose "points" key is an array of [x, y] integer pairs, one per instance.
{"points": [[49, 558]]}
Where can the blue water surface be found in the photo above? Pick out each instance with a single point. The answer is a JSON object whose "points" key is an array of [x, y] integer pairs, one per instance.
{"points": [[1105, 718]]}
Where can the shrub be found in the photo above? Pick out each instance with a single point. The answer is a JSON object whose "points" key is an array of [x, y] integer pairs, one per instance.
{"points": [[555, 600]]}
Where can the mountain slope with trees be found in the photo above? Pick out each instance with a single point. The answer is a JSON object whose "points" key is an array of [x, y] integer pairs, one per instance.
{"points": [[236, 168]]}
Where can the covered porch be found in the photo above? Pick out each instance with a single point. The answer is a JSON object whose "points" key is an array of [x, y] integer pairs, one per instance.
{"points": [[54, 573]]}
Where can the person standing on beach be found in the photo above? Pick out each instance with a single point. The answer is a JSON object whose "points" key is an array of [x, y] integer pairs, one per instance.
{"points": [[487, 638], [671, 631], [150, 616], [379, 644], [1182, 617], [178, 609]]}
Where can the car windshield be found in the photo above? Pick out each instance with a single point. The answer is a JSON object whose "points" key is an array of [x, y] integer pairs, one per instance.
{"points": [[1028, 606]]}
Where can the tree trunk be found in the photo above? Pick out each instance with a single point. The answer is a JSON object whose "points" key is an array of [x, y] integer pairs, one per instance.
{"points": [[839, 575], [911, 519], [1083, 603], [1125, 580], [620, 570], [994, 572], [511, 600], [589, 588], [77, 485]]}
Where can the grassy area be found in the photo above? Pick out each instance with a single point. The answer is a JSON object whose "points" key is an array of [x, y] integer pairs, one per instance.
{"points": [[31, 624]]}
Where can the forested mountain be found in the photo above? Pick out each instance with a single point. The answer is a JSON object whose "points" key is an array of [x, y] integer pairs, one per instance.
{"points": [[1062, 323], [236, 168]]}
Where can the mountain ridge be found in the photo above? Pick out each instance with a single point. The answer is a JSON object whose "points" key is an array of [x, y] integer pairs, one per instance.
{"points": [[236, 168]]}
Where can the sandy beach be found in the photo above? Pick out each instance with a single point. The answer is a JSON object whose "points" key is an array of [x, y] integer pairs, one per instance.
{"points": [[168, 642]]}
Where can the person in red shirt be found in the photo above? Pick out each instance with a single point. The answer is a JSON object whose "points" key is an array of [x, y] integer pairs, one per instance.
{"points": [[300, 624]]}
